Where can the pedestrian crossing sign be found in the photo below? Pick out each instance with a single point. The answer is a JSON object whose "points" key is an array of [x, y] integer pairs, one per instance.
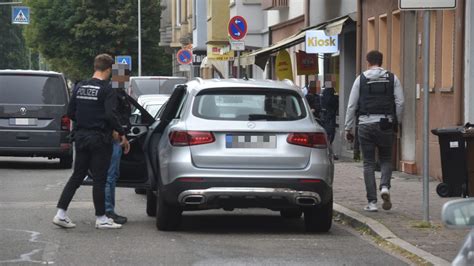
{"points": [[20, 15]]}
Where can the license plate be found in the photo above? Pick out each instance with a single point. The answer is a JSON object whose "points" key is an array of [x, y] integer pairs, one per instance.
{"points": [[23, 121], [246, 141]]}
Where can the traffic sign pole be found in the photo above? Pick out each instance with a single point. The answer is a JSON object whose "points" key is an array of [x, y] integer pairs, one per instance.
{"points": [[426, 113], [238, 64]]}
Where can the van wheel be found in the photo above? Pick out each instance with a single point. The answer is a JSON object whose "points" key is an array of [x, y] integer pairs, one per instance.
{"points": [[168, 217], [291, 213], [65, 162], [150, 203], [318, 218]]}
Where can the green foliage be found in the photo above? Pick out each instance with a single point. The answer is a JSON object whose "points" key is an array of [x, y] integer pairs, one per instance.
{"points": [[13, 54], [70, 33]]}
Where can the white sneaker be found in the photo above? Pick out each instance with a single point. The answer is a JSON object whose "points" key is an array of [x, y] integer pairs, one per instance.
{"points": [[64, 223], [371, 207], [108, 224], [385, 194]]}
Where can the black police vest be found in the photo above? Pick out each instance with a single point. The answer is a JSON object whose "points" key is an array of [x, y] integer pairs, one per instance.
{"points": [[376, 95], [90, 110]]}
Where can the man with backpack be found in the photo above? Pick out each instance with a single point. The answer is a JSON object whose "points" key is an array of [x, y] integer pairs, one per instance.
{"points": [[377, 98]]}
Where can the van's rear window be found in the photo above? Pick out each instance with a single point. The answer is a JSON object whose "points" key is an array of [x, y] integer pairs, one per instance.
{"points": [[249, 105], [24, 89]]}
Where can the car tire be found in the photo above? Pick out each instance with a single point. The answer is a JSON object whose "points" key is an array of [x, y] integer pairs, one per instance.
{"points": [[66, 162], [168, 217], [140, 191], [150, 203], [291, 213], [319, 218]]}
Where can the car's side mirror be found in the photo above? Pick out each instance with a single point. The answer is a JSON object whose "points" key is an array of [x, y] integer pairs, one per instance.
{"points": [[459, 213]]}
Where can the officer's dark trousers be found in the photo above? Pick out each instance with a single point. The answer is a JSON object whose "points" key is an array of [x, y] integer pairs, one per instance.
{"points": [[92, 153], [371, 137]]}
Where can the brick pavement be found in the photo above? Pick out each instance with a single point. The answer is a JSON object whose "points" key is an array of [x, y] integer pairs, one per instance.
{"points": [[406, 213]]}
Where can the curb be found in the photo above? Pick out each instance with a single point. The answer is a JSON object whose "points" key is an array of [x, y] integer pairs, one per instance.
{"points": [[357, 220]]}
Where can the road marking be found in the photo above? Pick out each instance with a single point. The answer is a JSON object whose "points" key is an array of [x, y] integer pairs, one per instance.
{"points": [[44, 204], [49, 251]]}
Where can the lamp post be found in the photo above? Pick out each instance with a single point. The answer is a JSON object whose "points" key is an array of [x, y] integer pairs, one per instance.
{"points": [[139, 39]]}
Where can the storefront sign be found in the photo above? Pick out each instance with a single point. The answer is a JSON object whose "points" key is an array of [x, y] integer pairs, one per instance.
{"points": [[318, 42], [219, 52], [283, 67], [426, 4], [307, 64]]}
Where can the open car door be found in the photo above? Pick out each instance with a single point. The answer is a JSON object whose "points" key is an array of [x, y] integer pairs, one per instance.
{"points": [[133, 168]]}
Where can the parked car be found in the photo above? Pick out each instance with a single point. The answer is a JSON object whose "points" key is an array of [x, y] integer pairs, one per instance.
{"points": [[232, 144], [33, 115], [459, 214], [153, 85]]}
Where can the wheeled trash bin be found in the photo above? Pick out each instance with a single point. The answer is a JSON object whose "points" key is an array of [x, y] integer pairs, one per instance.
{"points": [[453, 161]]}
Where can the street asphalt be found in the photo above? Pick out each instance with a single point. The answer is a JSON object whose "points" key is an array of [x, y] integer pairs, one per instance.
{"points": [[30, 187]]}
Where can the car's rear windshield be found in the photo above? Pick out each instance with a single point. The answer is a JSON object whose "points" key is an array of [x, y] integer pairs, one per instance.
{"points": [[241, 104], [32, 89]]}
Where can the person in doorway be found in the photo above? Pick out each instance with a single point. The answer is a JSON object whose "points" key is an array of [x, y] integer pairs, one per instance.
{"points": [[377, 98], [329, 107], [92, 108], [119, 144], [314, 101]]}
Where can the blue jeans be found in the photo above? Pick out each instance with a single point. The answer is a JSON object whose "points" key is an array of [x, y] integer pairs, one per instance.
{"points": [[112, 176]]}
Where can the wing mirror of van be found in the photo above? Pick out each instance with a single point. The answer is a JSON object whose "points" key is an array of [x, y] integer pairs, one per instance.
{"points": [[459, 213]]}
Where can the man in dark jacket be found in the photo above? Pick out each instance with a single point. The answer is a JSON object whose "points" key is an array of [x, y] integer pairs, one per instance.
{"points": [[329, 106], [92, 108], [120, 77]]}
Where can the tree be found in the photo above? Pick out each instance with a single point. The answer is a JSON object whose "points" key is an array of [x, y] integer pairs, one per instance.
{"points": [[70, 33], [13, 54]]}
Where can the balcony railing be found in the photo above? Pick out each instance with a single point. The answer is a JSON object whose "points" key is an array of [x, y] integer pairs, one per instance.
{"points": [[274, 4]]}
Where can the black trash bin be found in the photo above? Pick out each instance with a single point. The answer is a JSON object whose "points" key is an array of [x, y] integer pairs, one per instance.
{"points": [[453, 162]]}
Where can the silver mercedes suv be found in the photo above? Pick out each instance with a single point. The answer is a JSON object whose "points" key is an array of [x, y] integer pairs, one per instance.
{"points": [[233, 144]]}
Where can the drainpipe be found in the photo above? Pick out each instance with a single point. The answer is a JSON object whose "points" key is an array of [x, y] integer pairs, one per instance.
{"points": [[359, 37]]}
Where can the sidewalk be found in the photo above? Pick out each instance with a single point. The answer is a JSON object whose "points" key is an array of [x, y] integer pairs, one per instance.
{"points": [[404, 218]]}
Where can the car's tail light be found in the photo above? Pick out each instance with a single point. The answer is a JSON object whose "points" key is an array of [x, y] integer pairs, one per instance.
{"points": [[313, 140], [65, 123], [188, 138]]}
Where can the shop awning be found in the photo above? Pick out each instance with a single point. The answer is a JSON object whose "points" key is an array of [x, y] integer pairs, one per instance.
{"points": [[261, 56]]}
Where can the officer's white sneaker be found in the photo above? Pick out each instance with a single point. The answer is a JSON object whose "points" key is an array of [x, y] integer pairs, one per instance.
{"points": [[385, 194], [107, 224], [371, 207], [64, 223]]}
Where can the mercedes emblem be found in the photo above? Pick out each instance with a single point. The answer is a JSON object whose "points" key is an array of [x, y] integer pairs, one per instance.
{"points": [[251, 125], [23, 110]]}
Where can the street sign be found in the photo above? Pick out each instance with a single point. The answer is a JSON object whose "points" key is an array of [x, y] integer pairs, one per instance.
{"points": [[426, 4], [237, 28], [20, 15], [237, 46], [184, 56], [184, 68], [124, 59]]}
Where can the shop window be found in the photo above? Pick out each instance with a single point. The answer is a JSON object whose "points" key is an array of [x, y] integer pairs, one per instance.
{"points": [[396, 44], [433, 20], [447, 51], [383, 38], [371, 34]]}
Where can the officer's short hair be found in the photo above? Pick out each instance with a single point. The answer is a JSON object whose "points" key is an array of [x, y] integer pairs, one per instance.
{"points": [[374, 57], [103, 62]]}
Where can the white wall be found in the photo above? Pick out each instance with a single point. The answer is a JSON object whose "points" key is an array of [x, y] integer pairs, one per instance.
{"points": [[200, 31]]}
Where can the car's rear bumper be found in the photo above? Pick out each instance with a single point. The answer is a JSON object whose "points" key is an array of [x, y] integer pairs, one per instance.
{"points": [[274, 194], [61, 151]]}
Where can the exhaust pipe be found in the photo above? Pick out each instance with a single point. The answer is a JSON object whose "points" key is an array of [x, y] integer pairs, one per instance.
{"points": [[306, 201], [194, 200]]}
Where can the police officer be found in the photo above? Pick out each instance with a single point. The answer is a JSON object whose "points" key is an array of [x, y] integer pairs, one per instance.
{"points": [[377, 97], [92, 108]]}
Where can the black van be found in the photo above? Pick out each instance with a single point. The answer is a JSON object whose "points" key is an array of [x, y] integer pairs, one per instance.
{"points": [[33, 115]]}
